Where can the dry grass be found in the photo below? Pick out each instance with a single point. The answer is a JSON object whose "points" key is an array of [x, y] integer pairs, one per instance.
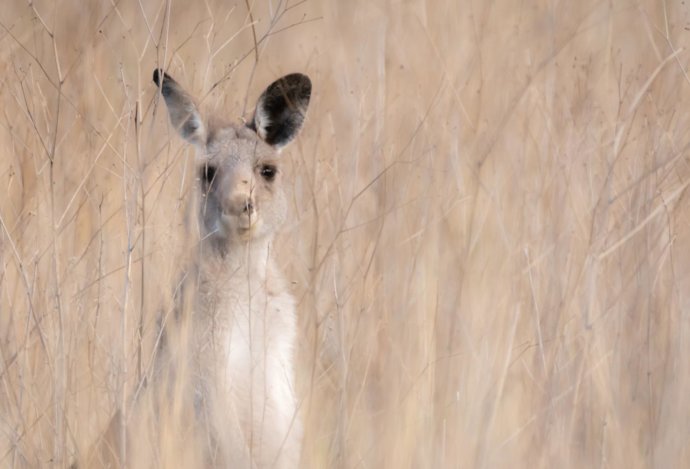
{"points": [[490, 235]]}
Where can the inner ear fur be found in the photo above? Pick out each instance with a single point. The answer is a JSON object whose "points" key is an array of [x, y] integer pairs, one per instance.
{"points": [[281, 109]]}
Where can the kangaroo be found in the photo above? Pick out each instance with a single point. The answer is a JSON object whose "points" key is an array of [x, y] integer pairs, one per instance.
{"points": [[241, 317], [229, 347]]}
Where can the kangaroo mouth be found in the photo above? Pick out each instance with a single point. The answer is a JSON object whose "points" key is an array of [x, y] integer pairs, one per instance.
{"points": [[244, 225]]}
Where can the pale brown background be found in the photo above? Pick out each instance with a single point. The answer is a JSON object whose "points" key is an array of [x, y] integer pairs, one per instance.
{"points": [[489, 237]]}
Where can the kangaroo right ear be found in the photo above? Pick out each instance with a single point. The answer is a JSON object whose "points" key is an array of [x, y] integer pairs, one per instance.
{"points": [[280, 111], [184, 114]]}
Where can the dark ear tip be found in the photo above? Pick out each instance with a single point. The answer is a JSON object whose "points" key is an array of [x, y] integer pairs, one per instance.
{"points": [[301, 82], [157, 74], [307, 80], [303, 78], [307, 85]]}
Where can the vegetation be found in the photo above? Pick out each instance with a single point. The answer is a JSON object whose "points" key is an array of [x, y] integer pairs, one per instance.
{"points": [[489, 233]]}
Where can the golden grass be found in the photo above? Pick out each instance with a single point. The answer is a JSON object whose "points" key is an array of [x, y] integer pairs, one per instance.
{"points": [[489, 236]]}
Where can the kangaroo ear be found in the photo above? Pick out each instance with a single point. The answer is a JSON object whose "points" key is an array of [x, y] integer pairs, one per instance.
{"points": [[281, 109], [184, 114]]}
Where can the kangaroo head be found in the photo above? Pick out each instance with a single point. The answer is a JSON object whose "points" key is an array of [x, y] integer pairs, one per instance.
{"points": [[239, 167]]}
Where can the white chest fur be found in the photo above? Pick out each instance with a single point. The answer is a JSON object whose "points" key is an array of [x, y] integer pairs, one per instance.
{"points": [[245, 331]]}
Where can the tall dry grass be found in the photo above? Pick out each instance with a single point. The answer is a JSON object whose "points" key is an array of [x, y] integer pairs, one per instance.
{"points": [[490, 233]]}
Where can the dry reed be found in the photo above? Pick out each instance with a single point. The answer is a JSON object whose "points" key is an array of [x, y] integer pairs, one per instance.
{"points": [[488, 240]]}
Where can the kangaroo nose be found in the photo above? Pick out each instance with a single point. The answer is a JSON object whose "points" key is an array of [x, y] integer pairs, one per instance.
{"points": [[239, 204], [248, 206]]}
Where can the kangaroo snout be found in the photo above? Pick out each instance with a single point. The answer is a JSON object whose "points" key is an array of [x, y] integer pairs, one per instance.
{"points": [[239, 203]]}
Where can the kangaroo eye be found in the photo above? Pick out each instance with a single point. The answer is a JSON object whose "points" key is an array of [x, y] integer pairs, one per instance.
{"points": [[207, 173], [268, 172]]}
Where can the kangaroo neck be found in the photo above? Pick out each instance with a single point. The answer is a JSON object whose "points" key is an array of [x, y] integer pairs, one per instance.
{"points": [[238, 259]]}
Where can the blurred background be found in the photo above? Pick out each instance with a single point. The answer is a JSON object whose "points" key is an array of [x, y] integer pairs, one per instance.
{"points": [[489, 236]]}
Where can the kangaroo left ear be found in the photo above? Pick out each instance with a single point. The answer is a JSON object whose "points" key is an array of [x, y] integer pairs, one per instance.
{"points": [[183, 111], [280, 110]]}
